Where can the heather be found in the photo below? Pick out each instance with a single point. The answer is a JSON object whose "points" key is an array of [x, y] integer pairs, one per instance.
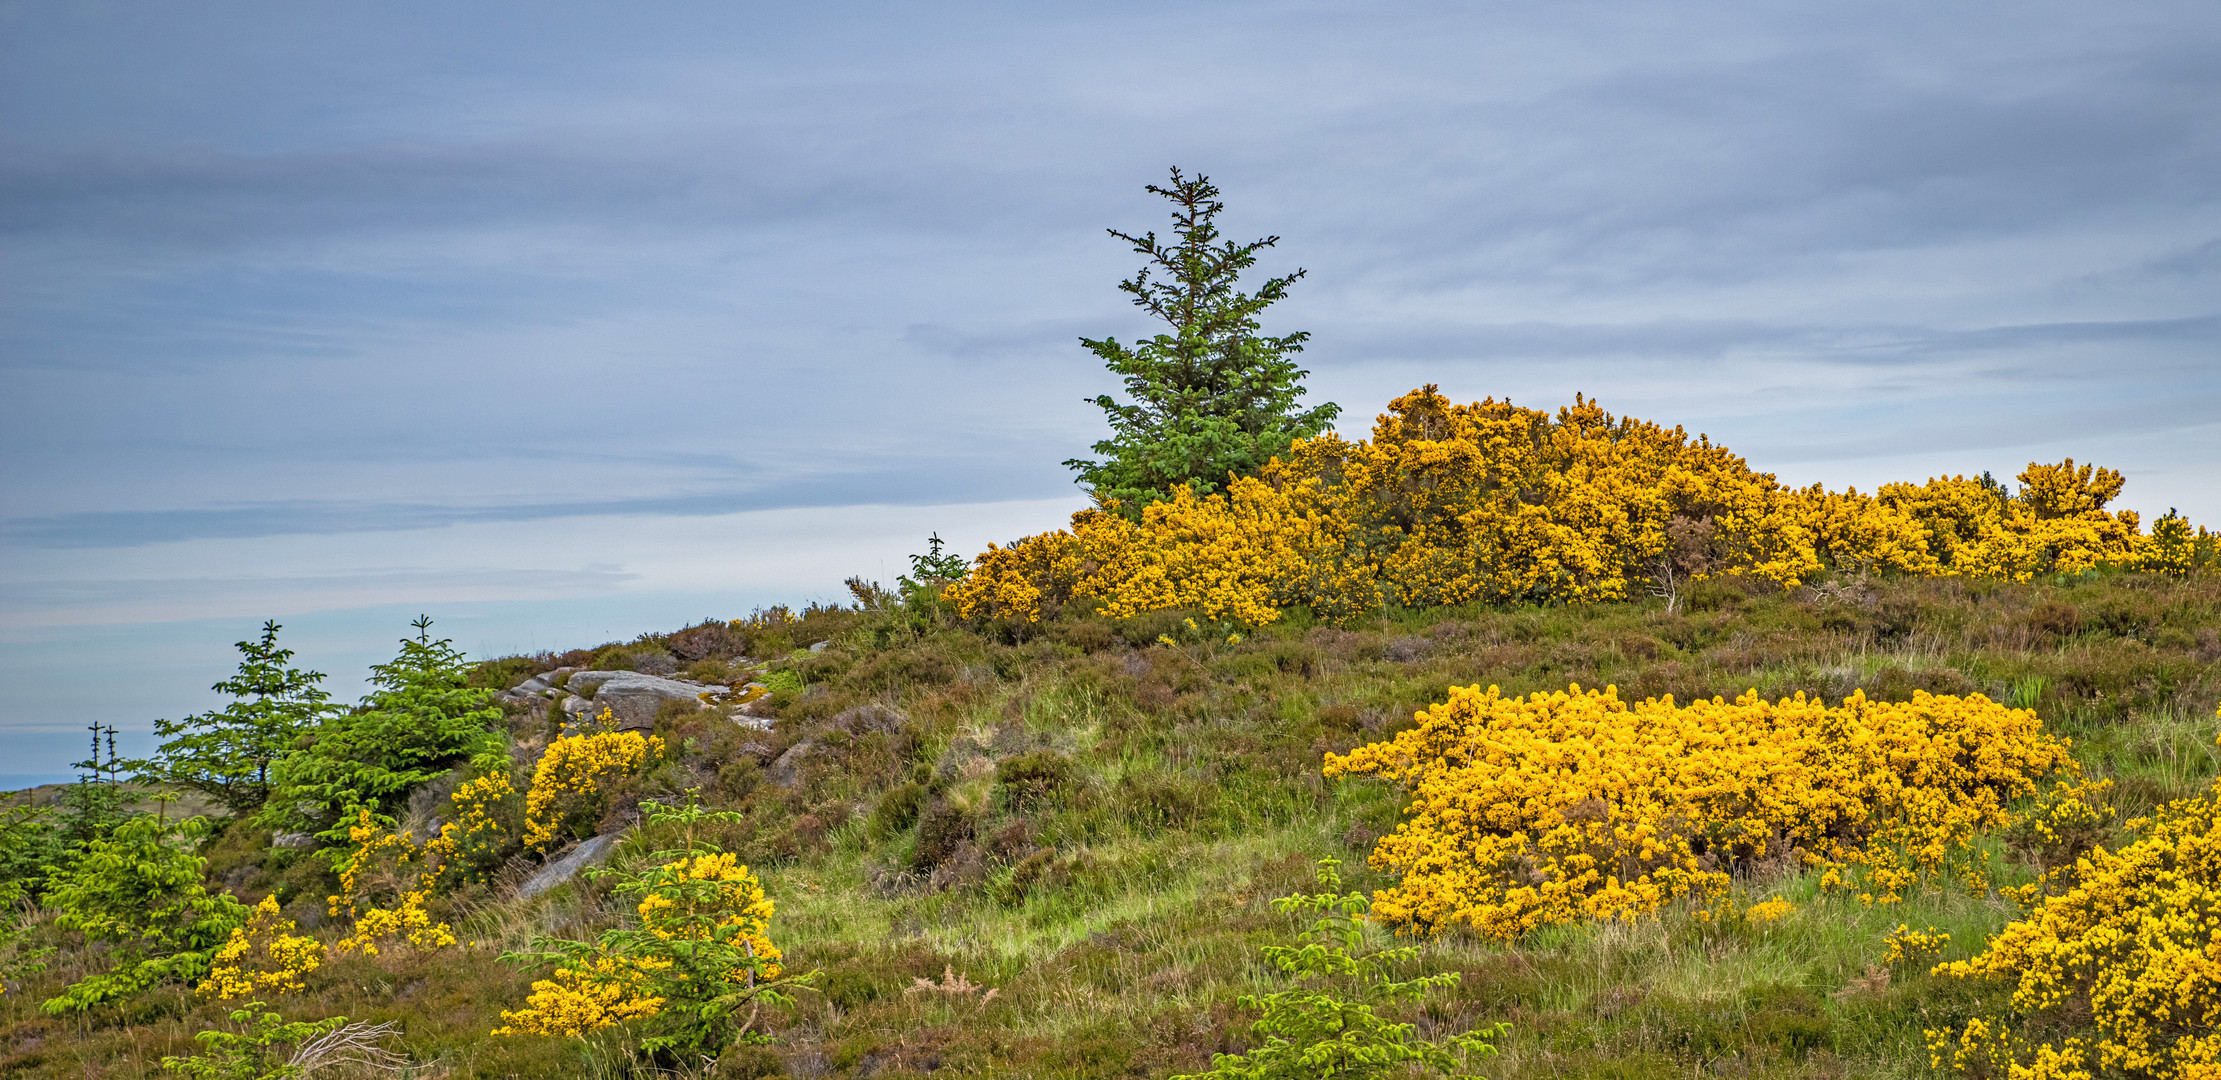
{"points": [[1053, 849]]}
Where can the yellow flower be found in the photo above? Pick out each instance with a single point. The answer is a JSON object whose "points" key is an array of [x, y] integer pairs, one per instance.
{"points": [[1528, 812], [567, 783], [262, 957], [1449, 504]]}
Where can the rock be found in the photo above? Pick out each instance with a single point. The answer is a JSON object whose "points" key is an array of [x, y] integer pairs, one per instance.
{"points": [[292, 839], [586, 682], [633, 699], [535, 685], [564, 869], [820, 646], [785, 772]]}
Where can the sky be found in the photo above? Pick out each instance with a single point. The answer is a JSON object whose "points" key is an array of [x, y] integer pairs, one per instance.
{"points": [[563, 323]]}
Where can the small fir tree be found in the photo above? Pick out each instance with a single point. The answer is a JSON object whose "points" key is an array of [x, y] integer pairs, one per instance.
{"points": [[422, 720], [227, 754], [139, 893], [97, 803], [1212, 397], [1323, 1026]]}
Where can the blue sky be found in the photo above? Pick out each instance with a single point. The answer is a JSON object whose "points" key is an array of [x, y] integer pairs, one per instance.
{"points": [[562, 323]]}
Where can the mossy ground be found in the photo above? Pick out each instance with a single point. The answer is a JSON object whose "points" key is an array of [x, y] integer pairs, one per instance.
{"points": [[1093, 827]]}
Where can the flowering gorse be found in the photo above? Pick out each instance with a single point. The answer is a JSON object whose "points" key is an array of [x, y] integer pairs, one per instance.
{"points": [[1447, 504], [569, 786], [699, 953], [482, 832], [387, 864], [602, 991], [2126, 955], [1914, 948], [262, 957], [1768, 911], [1528, 812]]}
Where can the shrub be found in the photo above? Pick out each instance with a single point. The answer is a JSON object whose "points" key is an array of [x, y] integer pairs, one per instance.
{"points": [[1449, 504], [1032, 778], [2114, 972], [264, 956], [17, 957], [485, 828], [1528, 812], [943, 829], [897, 809], [251, 1053], [383, 890], [699, 954], [139, 892], [570, 785]]}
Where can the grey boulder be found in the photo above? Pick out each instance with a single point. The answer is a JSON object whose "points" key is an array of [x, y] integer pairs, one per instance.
{"points": [[632, 699], [564, 869]]}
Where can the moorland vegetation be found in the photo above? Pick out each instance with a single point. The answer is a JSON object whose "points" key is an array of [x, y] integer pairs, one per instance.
{"points": [[1501, 742]]}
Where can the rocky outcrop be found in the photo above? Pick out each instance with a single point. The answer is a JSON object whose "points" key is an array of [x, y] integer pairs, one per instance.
{"points": [[564, 869], [633, 699]]}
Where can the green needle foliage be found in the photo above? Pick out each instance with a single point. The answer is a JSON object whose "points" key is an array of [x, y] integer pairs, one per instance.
{"points": [[1212, 397], [421, 721], [1311, 1032], [227, 754], [139, 892]]}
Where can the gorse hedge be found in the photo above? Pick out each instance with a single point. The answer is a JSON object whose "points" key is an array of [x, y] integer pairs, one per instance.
{"points": [[1490, 502]]}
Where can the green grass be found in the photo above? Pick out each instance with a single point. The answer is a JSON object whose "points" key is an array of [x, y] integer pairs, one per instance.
{"points": [[1117, 913]]}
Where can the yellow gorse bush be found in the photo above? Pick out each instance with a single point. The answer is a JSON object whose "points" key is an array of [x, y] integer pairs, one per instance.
{"points": [[475, 841], [2128, 954], [1768, 911], [736, 911], [1528, 812], [263, 957], [604, 992], [385, 862], [1447, 504], [1914, 947], [700, 954], [568, 784]]}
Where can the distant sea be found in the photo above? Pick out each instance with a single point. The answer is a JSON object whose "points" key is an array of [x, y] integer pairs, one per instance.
{"points": [[17, 781]]}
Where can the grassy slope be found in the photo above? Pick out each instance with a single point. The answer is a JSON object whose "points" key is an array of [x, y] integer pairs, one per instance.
{"points": [[1116, 902]]}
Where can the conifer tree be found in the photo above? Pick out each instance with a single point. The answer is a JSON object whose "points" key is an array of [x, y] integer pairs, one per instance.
{"points": [[421, 720], [1212, 397], [139, 893], [227, 754]]}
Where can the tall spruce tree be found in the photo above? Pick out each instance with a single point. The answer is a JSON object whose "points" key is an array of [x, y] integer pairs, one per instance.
{"points": [[1211, 398]]}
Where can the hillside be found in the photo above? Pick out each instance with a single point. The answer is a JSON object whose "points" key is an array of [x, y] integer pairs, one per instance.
{"points": [[1090, 822]]}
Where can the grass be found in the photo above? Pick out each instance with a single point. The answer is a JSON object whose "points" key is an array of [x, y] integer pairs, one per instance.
{"points": [[1116, 898]]}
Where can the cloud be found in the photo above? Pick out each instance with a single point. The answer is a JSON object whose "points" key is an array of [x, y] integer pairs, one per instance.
{"points": [[291, 290]]}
